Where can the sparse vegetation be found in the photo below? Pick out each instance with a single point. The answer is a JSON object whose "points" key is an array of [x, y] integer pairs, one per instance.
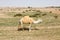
{"points": [[33, 10], [48, 18], [55, 17], [18, 15], [26, 10], [37, 10], [44, 14], [30, 10], [23, 12], [50, 12], [59, 9], [42, 34], [49, 29]]}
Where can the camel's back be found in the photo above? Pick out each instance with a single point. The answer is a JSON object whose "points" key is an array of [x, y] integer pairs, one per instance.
{"points": [[27, 19]]}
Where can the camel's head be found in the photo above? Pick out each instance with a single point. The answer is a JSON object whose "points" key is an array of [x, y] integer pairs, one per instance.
{"points": [[38, 21]]}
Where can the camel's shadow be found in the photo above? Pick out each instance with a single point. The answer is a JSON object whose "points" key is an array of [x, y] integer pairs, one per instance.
{"points": [[27, 29]]}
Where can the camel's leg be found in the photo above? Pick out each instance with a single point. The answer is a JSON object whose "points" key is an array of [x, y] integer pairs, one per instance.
{"points": [[22, 25], [30, 27], [19, 26]]}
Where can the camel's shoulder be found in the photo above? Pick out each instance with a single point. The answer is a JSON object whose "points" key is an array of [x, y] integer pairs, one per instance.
{"points": [[26, 17]]}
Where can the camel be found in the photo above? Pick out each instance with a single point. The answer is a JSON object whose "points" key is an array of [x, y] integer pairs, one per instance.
{"points": [[26, 20]]}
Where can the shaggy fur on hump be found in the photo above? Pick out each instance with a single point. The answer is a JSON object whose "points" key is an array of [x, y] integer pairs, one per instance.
{"points": [[27, 19]]}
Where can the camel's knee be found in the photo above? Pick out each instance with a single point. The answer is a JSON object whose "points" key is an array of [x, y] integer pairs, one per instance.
{"points": [[19, 24], [19, 27], [29, 28]]}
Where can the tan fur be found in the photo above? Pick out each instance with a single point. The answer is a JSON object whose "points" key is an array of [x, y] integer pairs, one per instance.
{"points": [[27, 19]]}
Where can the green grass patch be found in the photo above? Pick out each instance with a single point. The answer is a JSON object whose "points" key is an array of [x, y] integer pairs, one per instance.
{"points": [[49, 19]]}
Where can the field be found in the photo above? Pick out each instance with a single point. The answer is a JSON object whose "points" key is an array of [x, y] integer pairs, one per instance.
{"points": [[42, 34], [49, 29]]}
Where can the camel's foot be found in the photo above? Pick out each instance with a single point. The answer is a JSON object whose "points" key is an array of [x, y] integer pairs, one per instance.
{"points": [[18, 29]]}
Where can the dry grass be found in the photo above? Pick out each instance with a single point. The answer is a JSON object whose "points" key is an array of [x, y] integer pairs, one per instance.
{"points": [[12, 10], [41, 34], [48, 29]]}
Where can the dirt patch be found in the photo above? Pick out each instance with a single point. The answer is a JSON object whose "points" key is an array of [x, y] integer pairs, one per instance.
{"points": [[36, 28], [11, 33]]}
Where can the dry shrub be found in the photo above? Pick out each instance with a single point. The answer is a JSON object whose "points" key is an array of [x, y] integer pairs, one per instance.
{"points": [[17, 15], [50, 12]]}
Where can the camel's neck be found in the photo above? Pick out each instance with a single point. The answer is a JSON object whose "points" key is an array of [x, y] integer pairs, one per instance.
{"points": [[38, 21]]}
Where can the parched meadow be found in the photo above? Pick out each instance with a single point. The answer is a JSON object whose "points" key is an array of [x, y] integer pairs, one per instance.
{"points": [[49, 29]]}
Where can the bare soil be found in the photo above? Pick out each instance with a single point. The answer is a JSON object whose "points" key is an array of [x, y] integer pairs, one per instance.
{"points": [[11, 33]]}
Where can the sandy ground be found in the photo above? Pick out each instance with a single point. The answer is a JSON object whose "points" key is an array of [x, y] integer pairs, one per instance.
{"points": [[15, 28], [11, 33]]}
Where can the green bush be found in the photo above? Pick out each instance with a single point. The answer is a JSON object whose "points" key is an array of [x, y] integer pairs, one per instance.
{"points": [[17, 15]]}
